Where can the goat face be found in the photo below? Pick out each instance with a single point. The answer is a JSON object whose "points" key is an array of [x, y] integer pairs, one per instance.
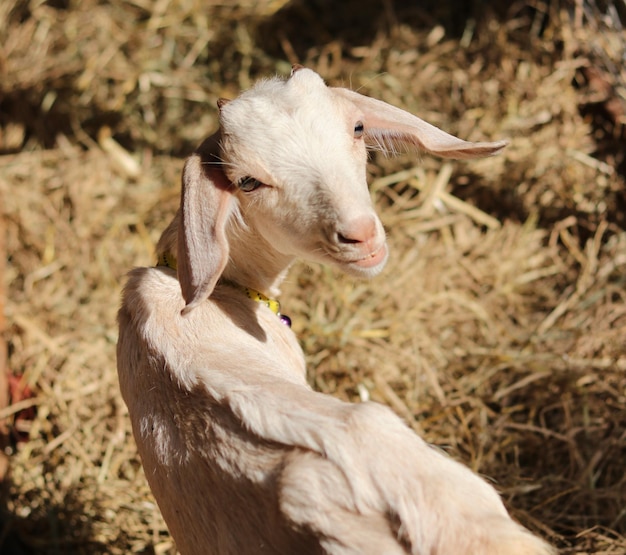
{"points": [[295, 151]]}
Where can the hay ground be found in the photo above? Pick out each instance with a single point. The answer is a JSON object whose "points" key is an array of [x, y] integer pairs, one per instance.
{"points": [[497, 331]]}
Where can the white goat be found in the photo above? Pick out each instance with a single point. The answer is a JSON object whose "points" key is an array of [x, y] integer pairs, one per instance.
{"points": [[241, 455]]}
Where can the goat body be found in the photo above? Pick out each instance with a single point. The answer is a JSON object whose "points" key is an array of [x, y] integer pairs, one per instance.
{"points": [[242, 456]]}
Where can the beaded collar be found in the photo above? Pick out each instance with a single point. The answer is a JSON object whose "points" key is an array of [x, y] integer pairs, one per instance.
{"points": [[170, 262]]}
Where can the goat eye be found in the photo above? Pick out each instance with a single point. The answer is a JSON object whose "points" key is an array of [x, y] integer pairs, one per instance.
{"points": [[358, 129], [248, 184]]}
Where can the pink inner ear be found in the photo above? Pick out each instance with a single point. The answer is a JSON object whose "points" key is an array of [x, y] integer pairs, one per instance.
{"points": [[389, 135], [388, 127]]}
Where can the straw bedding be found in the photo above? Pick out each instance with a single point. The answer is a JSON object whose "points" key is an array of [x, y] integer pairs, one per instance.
{"points": [[498, 329]]}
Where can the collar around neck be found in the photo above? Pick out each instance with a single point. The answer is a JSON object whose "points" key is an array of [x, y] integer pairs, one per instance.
{"points": [[169, 261]]}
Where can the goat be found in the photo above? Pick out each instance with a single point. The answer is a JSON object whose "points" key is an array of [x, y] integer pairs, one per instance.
{"points": [[242, 456]]}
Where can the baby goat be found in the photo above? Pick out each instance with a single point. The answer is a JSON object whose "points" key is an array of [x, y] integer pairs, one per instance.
{"points": [[241, 455]]}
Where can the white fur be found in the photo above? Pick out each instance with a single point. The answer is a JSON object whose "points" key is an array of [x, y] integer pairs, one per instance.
{"points": [[241, 455]]}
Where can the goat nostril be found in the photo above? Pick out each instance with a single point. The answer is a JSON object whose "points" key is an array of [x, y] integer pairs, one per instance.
{"points": [[347, 240], [361, 230]]}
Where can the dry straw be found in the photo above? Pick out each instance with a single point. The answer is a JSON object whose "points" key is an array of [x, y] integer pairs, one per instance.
{"points": [[498, 330]]}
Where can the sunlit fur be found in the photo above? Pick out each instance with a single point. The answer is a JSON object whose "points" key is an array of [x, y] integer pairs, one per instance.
{"points": [[242, 456]]}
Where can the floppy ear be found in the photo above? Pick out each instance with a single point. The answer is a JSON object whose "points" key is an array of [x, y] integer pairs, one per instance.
{"points": [[206, 202], [386, 126]]}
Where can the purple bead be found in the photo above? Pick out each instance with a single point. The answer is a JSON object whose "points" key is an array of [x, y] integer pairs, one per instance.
{"points": [[285, 320]]}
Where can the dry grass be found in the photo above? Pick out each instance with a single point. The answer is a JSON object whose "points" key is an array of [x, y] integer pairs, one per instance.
{"points": [[498, 330]]}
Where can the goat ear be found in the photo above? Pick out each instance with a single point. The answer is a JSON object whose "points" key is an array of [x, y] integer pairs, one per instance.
{"points": [[206, 202], [386, 126]]}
